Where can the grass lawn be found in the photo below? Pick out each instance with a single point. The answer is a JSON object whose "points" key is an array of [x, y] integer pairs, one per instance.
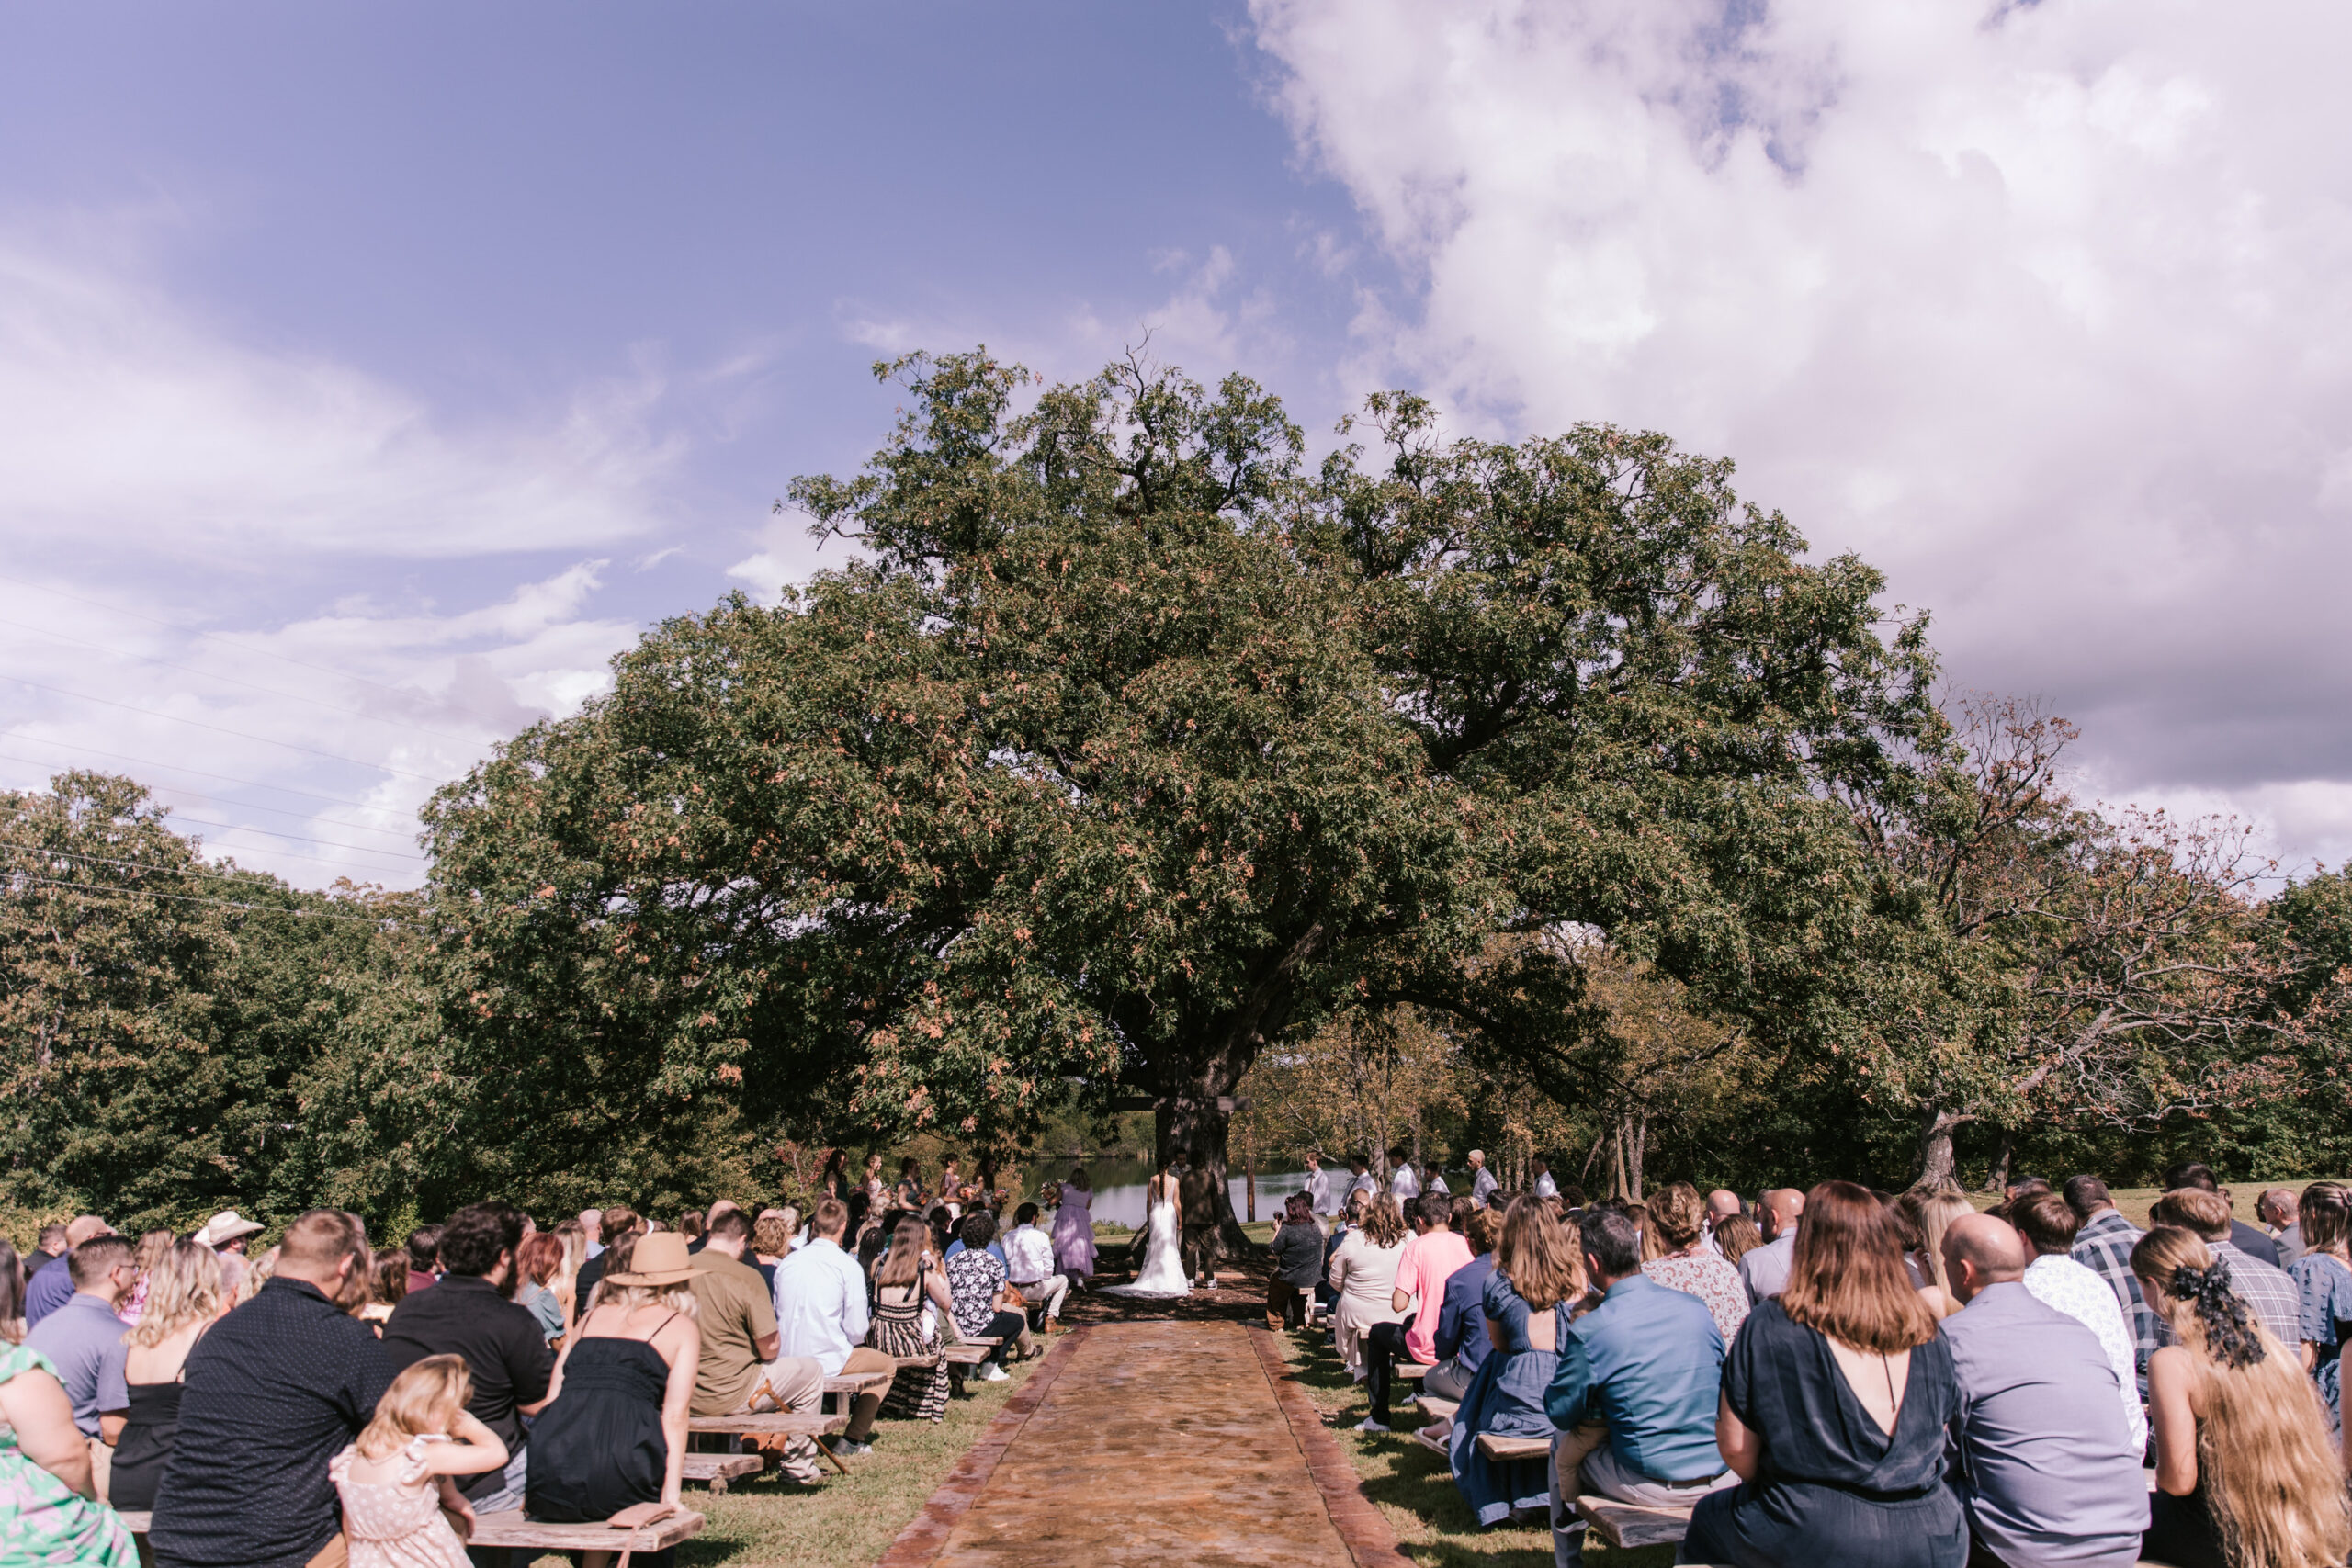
{"points": [[1413, 1490], [850, 1520]]}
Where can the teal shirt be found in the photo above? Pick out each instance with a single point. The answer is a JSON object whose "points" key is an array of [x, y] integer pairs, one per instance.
{"points": [[1650, 1361]]}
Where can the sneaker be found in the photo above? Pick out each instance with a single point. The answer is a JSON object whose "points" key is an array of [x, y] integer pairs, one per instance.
{"points": [[1369, 1425], [993, 1373], [844, 1448]]}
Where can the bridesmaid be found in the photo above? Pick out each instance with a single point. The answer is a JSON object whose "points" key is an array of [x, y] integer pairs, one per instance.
{"points": [[1074, 1228]]}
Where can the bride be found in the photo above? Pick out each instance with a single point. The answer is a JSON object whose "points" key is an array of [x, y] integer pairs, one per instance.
{"points": [[1163, 1262]]}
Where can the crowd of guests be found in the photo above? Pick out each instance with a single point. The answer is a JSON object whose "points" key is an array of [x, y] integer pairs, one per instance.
{"points": [[1842, 1376], [329, 1402]]}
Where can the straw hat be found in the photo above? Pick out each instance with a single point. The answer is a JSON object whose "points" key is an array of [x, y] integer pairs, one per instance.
{"points": [[659, 1260], [223, 1228]]}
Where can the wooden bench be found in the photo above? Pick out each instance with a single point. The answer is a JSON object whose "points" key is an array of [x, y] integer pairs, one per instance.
{"points": [[1435, 1409], [781, 1423], [857, 1383], [720, 1469], [1628, 1525], [1411, 1372], [510, 1529], [1495, 1446]]}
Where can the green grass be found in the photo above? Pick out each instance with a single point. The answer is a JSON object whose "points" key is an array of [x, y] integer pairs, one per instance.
{"points": [[850, 1520], [1413, 1489]]}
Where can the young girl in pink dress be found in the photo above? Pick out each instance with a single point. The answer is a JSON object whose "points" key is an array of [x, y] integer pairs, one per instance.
{"points": [[395, 1479]]}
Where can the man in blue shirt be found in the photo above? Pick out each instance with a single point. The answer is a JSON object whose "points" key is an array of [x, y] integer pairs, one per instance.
{"points": [[1648, 1365], [84, 1340], [53, 1286]]}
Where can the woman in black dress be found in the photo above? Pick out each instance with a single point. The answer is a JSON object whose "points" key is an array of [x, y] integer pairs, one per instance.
{"points": [[1835, 1399], [185, 1298], [615, 1434]]}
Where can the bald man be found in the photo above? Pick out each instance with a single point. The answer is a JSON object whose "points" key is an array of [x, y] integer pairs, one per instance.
{"points": [[1765, 1271], [2047, 1470], [1720, 1206]]}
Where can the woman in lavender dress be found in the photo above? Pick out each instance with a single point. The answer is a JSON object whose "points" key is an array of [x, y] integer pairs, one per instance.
{"points": [[1074, 1228]]}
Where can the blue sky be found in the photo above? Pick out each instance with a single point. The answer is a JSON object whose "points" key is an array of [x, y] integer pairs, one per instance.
{"points": [[402, 363]]}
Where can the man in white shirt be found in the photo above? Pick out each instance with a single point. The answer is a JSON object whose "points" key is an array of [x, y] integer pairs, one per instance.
{"points": [[1360, 1178], [1029, 1265], [1545, 1186], [820, 1314], [1765, 1271], [1403, 1185], [1482, 1180], [1322, 1190], [2047, 1226], [1436, 1181]]}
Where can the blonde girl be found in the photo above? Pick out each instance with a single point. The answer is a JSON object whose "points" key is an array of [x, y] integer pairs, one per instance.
{"points": [[185, 1296], [401, 1507], [1931, 1211], [152, 1247], [2245, 1473]]}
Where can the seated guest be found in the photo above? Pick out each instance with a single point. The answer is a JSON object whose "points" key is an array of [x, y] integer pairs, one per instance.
{"points": [[400, 1503], [1634, 1393], [2252, 1240], [910, 1301], [1722, 1205], [976, 1283], [1735, 1237], [743, 1368], [1364, 1274], [184, 1299], [1355, 1206], [2272, 1295], [614, 1435], [230, 1235], [1686, 1262], [619, 1223], [2103, 1245], [1422, 1270], [2322, 1274], [820, 1314], [2056, 1280], [1029, 1264], [83, 1342], [49, 1246], [1766, 1271], [272, 1392], [1929, 1210], [2280, 1212], [423, 1257], [1297, 1250], [2045, 1465], [774, 1237], [1460, 1341], [386, 1288], [468, 1313], [541, 1256], [1537, 1282], [1847, 1332], [52, 1287], [49, 1511], [2245, 1472]]}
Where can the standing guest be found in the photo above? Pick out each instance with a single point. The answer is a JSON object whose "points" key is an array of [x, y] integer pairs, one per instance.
{"points": [[536, 1265], [743, 1368], [1322, 1196], [2053, 1277], [1545, 1186], [976, 1285], [2046, 1467], [1029, 1264], [1428, 1261], [1074, 1227], [1461, 1341], [1297, 1250], [386, 1288], [1679, 1223], [469, 1313], [2322, 1274], [2252, 1240], [1834, 1401], [399, 1499], [271, 1394], [83, 1341], [49, 1246], [1635, 1391], [152, 1247], [619, 1223], [910, 1190], [1735, 1237], [12, 1293], [185, 1298], [911, 1300], [615, 1433], [423, 1257], [1362, 1273], [877, 1189], [2103, 1245], [2279, 1210], [592, 1227], [820, 1314], [951, 1188], [1537, 1280], [1929, 1210], [49, 1512], [52, 1287], [833, 1181], [1482, 1180], [2267, 1290], [1765, 1271], [2246, 1473], [1360, 1178]]}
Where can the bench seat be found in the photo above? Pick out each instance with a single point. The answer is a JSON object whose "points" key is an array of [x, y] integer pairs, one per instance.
{"points": [[782, 1421], [719, 1469], [1629, 1525], [858, 1382], [510, 1529], [1494, 1445], [1437, 1409]]}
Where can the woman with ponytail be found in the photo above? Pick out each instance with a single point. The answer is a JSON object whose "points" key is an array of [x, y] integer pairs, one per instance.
{"points": [[2247, 1476], [2322, 1277]]}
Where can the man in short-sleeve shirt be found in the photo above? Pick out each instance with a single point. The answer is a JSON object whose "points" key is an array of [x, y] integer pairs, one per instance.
{"points": [[82, 1341], [740, 1371], [1422, 1270]]}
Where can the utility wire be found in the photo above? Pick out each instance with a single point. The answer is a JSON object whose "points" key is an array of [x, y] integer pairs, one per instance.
{"points": [[224, 729], [233, 680], [191, 898], [199, 773], [37, 850], [298, 838]]}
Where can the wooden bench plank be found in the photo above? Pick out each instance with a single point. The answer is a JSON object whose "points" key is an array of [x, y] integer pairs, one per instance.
{"points": [[1437, 1409], [858, 1382], [1629, 1525], [965, 1354], [719, 1469], [1411, 1372], [779, 1421], [510, 1529], [1495, 1446]]}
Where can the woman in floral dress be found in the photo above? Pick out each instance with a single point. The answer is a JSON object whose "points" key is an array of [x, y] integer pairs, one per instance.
{"points": [[47, 1518]]}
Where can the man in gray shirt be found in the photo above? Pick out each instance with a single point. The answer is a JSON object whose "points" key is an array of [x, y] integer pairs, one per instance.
{"points": [[1765, 1271], [2042, 1461]]}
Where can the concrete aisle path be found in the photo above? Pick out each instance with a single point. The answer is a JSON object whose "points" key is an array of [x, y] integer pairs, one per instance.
{"points": [[1151, 1443]]}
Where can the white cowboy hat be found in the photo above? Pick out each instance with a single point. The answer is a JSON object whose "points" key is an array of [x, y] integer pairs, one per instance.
{"points": [[225, 1227]]}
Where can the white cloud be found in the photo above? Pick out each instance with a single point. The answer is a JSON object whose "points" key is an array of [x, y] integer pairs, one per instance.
{"points": [[2046, 310]]}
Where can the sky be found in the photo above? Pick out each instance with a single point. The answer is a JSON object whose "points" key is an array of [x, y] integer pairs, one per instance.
{"points": [[370, 376]]}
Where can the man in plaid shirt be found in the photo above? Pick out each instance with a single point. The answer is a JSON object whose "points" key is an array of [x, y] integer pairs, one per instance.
{"points": [[2104, 1245], [2273, 1294]]}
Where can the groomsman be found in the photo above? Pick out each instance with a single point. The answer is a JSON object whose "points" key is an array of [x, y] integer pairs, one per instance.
{"points": [[1322, 1190], [1482, 1180]]}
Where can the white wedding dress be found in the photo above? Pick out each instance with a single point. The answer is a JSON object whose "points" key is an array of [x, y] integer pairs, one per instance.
{"points": [[1163, 1258]]}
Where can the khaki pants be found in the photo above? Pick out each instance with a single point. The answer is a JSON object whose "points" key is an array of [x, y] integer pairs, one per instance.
{"points": [[796, 1384]]}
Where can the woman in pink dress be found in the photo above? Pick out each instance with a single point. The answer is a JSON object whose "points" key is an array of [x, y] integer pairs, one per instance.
{"points": [[1074, 1228]]}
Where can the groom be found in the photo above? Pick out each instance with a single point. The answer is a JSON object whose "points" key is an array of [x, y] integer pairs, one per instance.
{"points": [[1196, 1190]]}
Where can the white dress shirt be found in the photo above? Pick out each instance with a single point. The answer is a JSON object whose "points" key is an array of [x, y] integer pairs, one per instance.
{"points": [[1404, 1186], [2083, 1295], [1028, 1255], [820, 1304], [1322, 1192], [1545, 1187]]}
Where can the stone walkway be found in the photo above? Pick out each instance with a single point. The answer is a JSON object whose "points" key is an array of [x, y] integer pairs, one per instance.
{"points": [[1147, 1443]]}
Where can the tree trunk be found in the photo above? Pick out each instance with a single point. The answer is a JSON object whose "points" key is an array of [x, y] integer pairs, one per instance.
{"points": [[1639, 1128], [1934, 1160], [1190, 1125], [1617, 1187], [1998, 1177]]}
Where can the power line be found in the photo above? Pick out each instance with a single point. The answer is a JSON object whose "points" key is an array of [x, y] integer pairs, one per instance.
{"points": [[298, 838], [274, 811], [211, 870], [199, 773], [191, 898], [233, 680], [224, 729]]}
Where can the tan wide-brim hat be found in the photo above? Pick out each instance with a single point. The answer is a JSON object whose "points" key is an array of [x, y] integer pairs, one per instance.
{"points": [[659, 1260], [225, 1227]]}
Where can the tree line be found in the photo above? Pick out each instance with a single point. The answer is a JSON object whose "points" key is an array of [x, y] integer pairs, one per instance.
{"points": [[1131, 755]]}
